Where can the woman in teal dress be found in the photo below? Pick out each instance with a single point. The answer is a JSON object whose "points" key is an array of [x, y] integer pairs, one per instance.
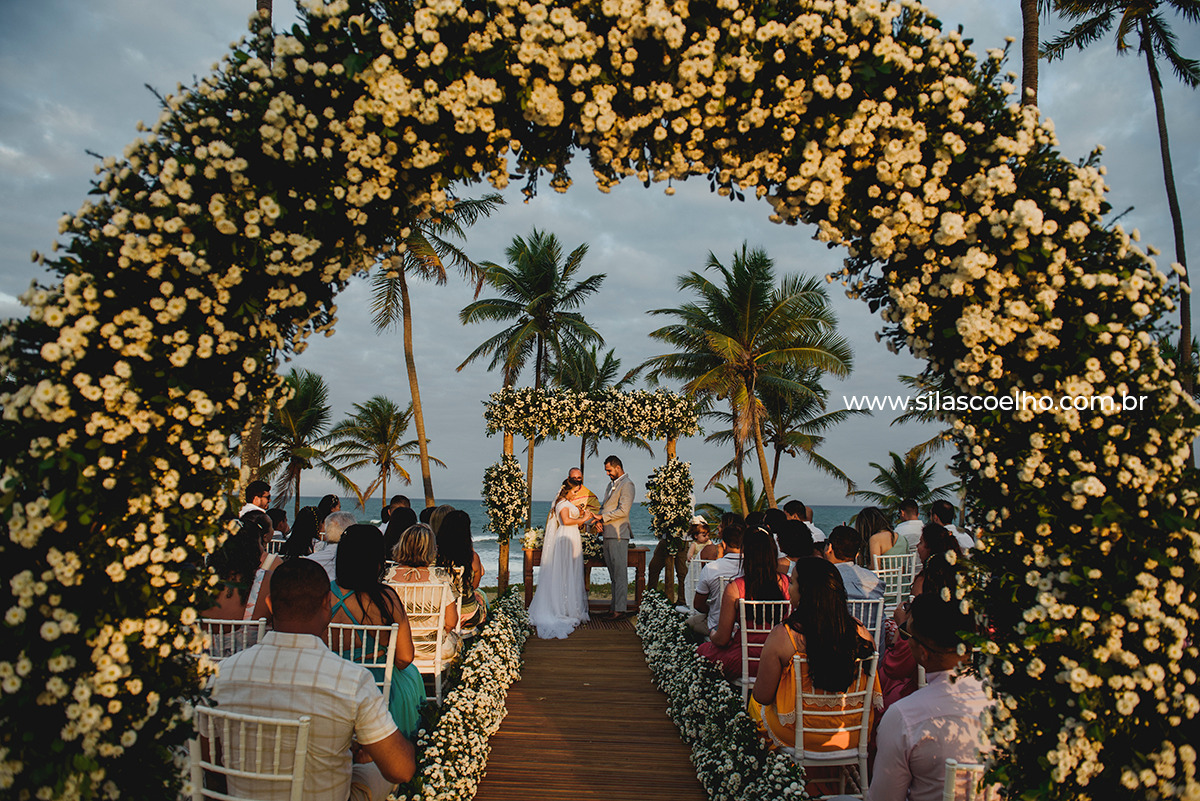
{"points": [[360, 596]]}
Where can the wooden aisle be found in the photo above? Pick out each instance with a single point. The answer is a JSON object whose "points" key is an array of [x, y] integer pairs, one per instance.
{"points": [[586, 721]]}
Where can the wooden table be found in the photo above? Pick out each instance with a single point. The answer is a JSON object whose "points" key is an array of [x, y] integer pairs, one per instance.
{"points": [[637, 561]]}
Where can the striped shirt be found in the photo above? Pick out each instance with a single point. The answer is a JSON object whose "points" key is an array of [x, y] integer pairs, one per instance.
{"points": [[290, 675]]}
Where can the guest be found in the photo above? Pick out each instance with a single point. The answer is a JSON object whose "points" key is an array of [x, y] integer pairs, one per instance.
{"points": [[795, 542], [794, 510], [258, 496], [255, 532], [910, 524], [404, 518], [941, 721], [708, 588], [818, 534], [359, 596], [235, 563], [898, 666], [397, 502], [838, 642], [942, 513], [861, 584], [438, 515], [277, 677], [279, 523], [426, 515], [415, 554], [304, 535], [877, 536], [760, 581], [716, 549], [456, 552], [773, 519], [334, 525], [700, 537], [327, 506]]}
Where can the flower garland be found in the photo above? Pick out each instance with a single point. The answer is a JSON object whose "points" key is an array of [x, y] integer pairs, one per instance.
{"points": [[561, 412], [504, 496], [731, 760], [454, 754], [219, 240], [669, 500]]}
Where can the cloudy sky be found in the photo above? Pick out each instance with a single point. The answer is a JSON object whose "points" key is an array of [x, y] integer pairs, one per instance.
{"points": [[73, 77]]}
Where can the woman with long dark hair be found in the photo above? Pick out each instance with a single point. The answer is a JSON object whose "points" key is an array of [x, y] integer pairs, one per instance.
{"points": [[359, 596], [760, 581], [456, 552], [327, 506], [877, 536], [305, 532], [822, 629]]}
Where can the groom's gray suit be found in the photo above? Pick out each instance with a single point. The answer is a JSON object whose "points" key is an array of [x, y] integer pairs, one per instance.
{"points": [[618, 502]]}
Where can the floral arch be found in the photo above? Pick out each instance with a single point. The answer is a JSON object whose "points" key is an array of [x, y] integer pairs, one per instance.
{"points": [[216, 244], [554, 413]]}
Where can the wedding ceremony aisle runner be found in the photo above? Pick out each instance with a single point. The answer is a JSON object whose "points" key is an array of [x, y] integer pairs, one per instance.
{"points": [[586, 721]]}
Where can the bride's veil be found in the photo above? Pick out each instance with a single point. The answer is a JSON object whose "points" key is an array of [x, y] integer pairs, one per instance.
{"points": [[551, 524]]}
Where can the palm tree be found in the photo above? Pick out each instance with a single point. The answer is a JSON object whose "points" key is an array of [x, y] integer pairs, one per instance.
{"points": [[929, 386], [1143, 19], [1031, 13], [585, 372], [371, 436], [908, 476], [737, 497], [426, 251], [294, 437], [745, 336], [538, 297], [793, 425]]}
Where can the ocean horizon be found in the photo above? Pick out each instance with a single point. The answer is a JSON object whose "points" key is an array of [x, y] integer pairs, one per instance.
{"points": [[488, 548]]}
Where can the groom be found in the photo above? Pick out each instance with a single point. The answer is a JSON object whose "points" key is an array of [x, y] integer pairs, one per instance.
{"points": [[614, 513]]}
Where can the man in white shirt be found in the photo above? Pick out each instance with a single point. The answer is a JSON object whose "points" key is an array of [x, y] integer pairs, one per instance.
{"points": [[940, 721], [355, 752], [861, 584], [942, 513], [910, 524], [326, 557], [709, 588], [258, 497]]}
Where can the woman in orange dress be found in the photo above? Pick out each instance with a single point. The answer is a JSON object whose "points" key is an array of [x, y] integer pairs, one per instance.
{"points": [[839, 641]]}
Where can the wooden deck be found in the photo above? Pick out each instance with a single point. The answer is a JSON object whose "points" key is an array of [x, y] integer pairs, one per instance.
{"points": [[586, 722]]}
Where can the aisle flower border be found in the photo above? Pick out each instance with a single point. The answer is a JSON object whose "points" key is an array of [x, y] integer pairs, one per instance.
{"points": [[221, 239], [453, 755], [732, 762]]}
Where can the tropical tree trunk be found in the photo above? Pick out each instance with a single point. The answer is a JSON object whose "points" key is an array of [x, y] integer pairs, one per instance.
{"points": [[296, 506], [1164, 145], [383, 497], [740, 454], [415, 392], [582, 452], [760, 451], [502, 577], [1029, 52], [250, 449]]}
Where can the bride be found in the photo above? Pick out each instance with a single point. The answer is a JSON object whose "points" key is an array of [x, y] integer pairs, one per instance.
{"points": [[560, 602]]}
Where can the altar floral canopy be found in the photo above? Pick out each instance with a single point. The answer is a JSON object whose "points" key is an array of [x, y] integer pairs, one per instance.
{"points": [[214, 245]]}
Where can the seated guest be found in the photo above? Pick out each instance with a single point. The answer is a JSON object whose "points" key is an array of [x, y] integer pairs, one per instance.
{"points": [[456, 552], [258, 495], [937, 722], [293, 673], [334, 525], [877, 537], [438, 515], [415, 555], [795, 542], [761, 580], [794, 510], [910, 524], [327, 506], [935, 539], [861, 584], [404, 518], [303, 539], [716, 549], [942, 513], [821, 629], [818, 534], [699, 538], [255, 531], [235, 563], [708, 587], [359, 596], [397, 502], [898, 666], [279, 522]]}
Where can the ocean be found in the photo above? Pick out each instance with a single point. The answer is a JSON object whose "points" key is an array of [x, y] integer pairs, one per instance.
{"points": [[824, 517]]}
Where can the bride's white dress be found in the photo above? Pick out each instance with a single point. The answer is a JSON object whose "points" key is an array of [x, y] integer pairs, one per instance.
{"points": [[560, 602]]}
